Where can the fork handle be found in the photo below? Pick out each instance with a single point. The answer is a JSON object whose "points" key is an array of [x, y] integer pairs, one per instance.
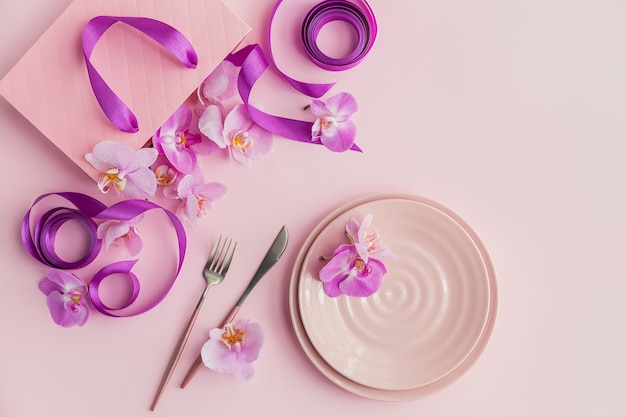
{"points": [[198, 363], [178, 351]]}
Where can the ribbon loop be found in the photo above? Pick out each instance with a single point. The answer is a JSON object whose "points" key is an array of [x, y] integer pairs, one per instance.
{"points": [[40, 244], [167, 36], [253, 63]]}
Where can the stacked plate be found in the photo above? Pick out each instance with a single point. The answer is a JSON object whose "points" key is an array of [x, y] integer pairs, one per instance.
{"points": [[424, 327]]}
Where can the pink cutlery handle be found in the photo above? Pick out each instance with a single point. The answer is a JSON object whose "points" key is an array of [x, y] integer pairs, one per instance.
{"points": [[231, 316], [198, 363], [175, 357]]}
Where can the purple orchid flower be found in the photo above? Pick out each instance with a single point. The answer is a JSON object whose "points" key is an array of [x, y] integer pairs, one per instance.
{"points": [[66, 298], [368, 244], [348, 273], [174, 140], [245, 139], [333, 126], [124, 169], [233, 349], [195, 195], [114, 232], [220, 85]]}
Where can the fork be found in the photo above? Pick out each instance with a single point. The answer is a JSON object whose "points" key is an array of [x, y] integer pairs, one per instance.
{"points": [[214, 272]]}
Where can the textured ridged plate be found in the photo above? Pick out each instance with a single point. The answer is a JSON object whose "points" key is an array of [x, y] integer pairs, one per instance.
{"points": [[426, 325]]}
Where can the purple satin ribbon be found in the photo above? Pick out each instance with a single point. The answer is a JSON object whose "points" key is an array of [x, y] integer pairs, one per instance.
{"points": [[363, 21], [167, 36], [253, 63], [40, 244]]}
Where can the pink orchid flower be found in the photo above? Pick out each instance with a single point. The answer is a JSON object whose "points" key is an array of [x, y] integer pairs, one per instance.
{"points": [[233, 349], [165, 175], [196, 197], [220, 85], [66, 298], [333, 126], [245, 139], [124, 169], [115, 232], [368, 243], [348, 273], [174, 140]]}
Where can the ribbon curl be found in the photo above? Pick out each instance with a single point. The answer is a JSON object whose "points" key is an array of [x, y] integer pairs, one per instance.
{"points": [[253, 63], [40, 244], [167, 36]]}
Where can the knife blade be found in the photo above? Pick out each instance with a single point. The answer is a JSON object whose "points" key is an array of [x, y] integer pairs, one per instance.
{"points": [[271, 257]]}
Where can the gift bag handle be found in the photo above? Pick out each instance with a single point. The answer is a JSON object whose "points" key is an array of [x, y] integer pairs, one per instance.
{"points": [[167, 36]]}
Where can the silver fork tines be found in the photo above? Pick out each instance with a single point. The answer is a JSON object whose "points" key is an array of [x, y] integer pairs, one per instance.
{"points": [[221, 256]]}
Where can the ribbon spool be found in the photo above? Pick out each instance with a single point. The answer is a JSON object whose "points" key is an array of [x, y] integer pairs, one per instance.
{"points": [[362, 20]]}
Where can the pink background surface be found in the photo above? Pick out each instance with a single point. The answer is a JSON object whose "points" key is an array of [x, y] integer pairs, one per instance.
{"points": [[509, 113]]}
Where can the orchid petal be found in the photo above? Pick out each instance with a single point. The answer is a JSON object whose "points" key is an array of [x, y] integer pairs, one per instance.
{"points": [[342, 106], [61, 315], [140, 184], [318, 108], [146, 156], [352, 228], [263, 142], [183, 160], [221, 83], [212, 190], [342, 138], [111, 230], [134, 243], [211, 125], [339, 265], [63, 281], [364, 284], [237, 119], [181, 118]]}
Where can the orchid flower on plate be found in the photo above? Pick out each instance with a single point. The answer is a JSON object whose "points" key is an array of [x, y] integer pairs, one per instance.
{"points": [[348, 273], [66, 298], [124, 169], [234, 348], [196, 197], [368, 243], [333, 126], [115, 232], [356, 268], [245, 139]]}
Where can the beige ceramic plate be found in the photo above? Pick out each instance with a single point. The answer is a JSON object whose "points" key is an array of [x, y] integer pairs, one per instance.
{"points": [[426, 325]]}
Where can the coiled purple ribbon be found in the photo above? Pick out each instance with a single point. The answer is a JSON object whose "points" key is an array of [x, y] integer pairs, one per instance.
{"points": [[363, 21], [168, 37], [40, 244]]}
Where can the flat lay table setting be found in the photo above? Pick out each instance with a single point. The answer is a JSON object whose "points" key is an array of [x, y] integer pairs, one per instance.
{"points": [[313, 207]]}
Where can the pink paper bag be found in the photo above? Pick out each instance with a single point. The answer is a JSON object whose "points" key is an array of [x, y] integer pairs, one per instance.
{"points": [[50, 85]]}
